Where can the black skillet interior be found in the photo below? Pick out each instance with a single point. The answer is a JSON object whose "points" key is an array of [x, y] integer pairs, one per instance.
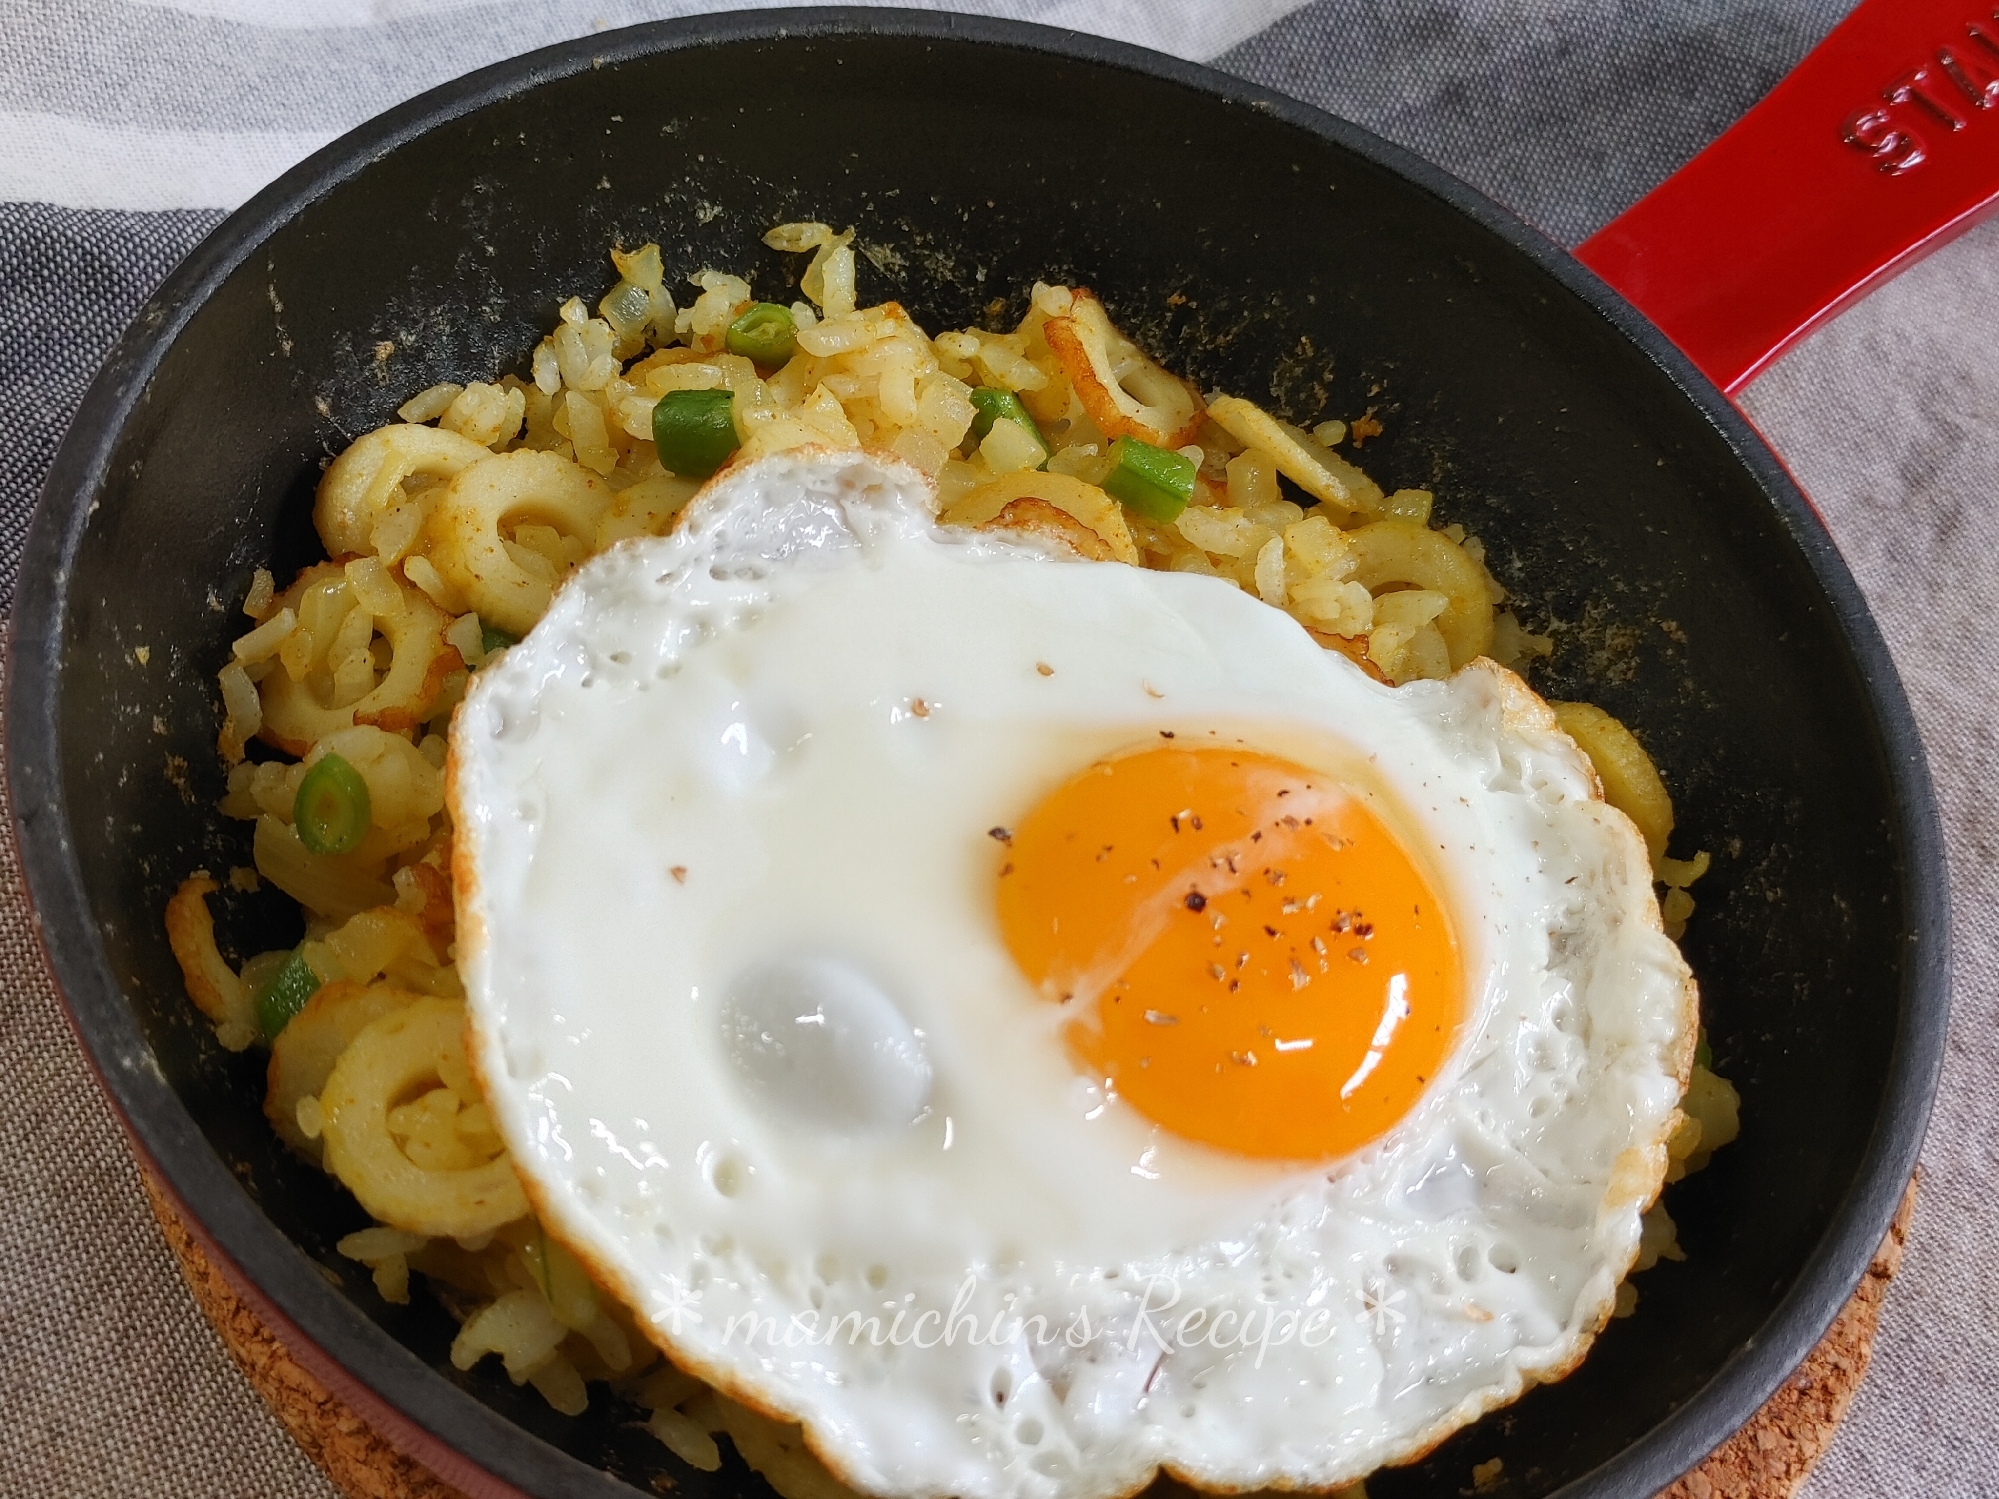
{"points": [[1256, 246]]}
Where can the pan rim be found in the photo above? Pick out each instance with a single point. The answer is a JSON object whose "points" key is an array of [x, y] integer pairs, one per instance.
{"points": [[454, 1419]]}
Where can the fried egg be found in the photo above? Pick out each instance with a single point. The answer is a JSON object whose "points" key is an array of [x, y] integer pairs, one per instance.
{"points": [[1034, 1022]]}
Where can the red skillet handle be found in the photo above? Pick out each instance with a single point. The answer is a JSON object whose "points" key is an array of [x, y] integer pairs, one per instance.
{"points": [[1881, 146]]}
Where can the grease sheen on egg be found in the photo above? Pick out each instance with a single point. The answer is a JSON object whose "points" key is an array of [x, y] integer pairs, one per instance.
{"points": [[761, 835]]}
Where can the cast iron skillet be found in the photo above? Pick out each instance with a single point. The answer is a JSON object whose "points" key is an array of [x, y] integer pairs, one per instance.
{"points": [[1251, 241]]}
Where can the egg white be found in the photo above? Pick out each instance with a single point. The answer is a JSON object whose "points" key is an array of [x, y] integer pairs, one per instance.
{"points": [[780, 735]]}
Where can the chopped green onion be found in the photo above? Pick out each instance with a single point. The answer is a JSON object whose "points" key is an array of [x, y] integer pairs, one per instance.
{"points": [[695, 431], [1703, 1053], [1002, 405], [331, 809], [1149, 481], [491, 639], [285, 994], [764, 335]]}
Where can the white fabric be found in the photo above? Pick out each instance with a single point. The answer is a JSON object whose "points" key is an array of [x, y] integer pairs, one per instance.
{"points": [[82, 164], [126, 124], [1196, 29], [155, 162]]}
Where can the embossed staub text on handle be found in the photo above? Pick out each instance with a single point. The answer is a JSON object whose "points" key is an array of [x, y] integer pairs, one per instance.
{"points": [[1935, 99], [1880, 146]]}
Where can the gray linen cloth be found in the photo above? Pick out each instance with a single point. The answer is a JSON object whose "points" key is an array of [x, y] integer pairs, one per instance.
{"points": [[125, 130]]}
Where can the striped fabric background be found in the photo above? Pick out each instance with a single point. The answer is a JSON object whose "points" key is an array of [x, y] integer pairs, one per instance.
{"points": [[128, 128]]}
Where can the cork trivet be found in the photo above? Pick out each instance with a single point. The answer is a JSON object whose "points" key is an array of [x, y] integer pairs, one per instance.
{"points": [[361, 1464], [1771, 1456], [1767, 1459]]}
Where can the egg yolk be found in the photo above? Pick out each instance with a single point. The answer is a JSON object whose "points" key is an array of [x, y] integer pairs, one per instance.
{"points": [[1255, 961]]}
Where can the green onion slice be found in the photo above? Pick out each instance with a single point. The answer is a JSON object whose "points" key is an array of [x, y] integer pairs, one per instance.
{"points": [[331, 810], [1148, 481], [991, 406], [491, 639], [695, 431], [764, 335], [286, 993]]}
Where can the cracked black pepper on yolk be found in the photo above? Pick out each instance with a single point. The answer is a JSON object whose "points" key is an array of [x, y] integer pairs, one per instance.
{"points": [[1254, 960]]}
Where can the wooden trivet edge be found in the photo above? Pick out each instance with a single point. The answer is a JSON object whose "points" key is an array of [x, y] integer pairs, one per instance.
{"points": [[1769, 1458]]}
